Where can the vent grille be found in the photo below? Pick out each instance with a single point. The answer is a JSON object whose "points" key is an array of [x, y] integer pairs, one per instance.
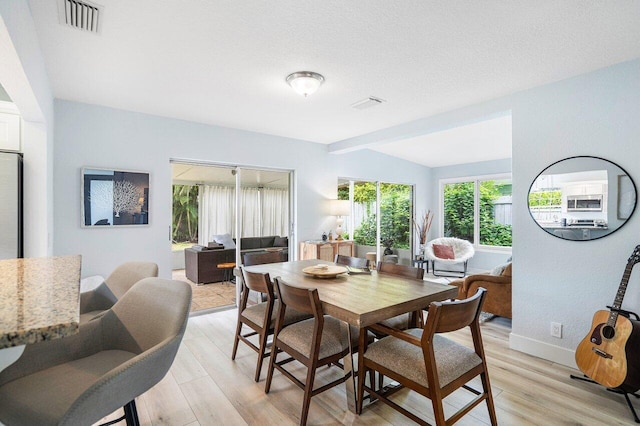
{"points": [[82, 15], [369, 102]]}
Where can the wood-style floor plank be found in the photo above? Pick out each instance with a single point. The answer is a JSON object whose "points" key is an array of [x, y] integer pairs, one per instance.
{"points": [[205, 387]]}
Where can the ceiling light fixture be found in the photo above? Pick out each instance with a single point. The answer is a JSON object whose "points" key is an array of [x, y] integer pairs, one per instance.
{"points": [[305, 82]]}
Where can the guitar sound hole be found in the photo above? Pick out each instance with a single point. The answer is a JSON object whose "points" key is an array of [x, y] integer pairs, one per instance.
{"points": [[608, 332]]}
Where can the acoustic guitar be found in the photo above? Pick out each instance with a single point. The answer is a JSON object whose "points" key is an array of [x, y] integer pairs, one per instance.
{"points": [[609, 353]]}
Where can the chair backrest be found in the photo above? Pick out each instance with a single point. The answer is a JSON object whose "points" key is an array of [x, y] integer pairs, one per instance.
{"points": [[448, 316], [257, 281], [127, 274], [154, 311], [301, 299], [249, 259], [401, 270], [354, 262]]}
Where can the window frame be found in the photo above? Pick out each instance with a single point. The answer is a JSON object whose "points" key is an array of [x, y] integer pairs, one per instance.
{"points": [[476, 207]]}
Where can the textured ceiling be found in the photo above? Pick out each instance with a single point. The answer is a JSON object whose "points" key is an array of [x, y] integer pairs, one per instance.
{"points": [[225, 62]]}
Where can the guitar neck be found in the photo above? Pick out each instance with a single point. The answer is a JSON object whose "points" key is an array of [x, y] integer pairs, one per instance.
{"points": [[617, 302]]}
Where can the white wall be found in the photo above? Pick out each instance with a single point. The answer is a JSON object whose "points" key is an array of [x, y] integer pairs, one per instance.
{"points": [[567, 281], [88, 135], [23, 75]]}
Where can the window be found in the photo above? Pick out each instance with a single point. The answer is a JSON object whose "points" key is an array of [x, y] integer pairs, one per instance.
{"points": [[478, 210], [393, 202]]}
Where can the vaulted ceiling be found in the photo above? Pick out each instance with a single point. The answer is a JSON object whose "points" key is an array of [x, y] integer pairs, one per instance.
{"points": [[225, 62]]}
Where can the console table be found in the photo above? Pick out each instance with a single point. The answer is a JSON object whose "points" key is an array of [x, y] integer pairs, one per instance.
{"points": [[325, 250]]}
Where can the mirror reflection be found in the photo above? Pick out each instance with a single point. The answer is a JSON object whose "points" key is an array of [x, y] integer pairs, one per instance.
{"points": [[582, 198]]}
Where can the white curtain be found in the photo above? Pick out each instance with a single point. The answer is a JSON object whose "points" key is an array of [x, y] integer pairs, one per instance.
{"points": [[264, 212], [250, 212], [275, 211], [216, 212]]}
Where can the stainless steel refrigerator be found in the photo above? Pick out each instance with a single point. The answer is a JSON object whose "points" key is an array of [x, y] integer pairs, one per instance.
{"points": [[10, 205]]}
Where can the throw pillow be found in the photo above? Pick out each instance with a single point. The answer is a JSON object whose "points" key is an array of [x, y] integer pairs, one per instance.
{"points": [[224, 239], [498, 269], [281, 242], [443, 251]]}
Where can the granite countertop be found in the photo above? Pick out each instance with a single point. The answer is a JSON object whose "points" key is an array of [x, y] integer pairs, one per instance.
{"points": [[39, 299]]}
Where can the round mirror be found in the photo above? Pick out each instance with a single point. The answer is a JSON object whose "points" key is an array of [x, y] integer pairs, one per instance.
{"points": [[582, 198]]}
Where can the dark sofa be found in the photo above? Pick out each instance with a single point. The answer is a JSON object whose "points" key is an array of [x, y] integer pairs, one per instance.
{"points": [[201, 263]]}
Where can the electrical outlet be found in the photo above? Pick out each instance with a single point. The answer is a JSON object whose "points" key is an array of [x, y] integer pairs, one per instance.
{"points": [[556, 330]]}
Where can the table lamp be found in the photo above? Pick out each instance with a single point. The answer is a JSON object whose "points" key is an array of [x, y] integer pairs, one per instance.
{"points": [[340, 208]]}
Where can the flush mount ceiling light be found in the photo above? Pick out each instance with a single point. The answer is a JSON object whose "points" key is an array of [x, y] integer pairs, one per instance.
{"points": [[305, 82]]}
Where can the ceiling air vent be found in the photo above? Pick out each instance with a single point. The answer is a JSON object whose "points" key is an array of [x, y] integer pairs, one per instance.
{"points": [[369, 102], [82, 15]]}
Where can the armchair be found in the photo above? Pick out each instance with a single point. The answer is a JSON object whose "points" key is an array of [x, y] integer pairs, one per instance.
{"points": [[498, 300], [461, 251]]}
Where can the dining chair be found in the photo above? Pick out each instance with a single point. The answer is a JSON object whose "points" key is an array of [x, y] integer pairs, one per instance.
{"points": [[401, 322], [315, 342], [428, 363], [79, 379], [103, 297], [259, 317], [354, 262]]}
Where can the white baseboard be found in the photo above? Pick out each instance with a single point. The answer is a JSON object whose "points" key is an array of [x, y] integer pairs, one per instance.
{"points": [[543, 350]]}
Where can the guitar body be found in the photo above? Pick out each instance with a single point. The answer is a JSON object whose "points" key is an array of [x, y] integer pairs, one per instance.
{"points": [[612, 362]]}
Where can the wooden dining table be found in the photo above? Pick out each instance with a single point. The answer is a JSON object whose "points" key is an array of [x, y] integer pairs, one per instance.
{"points": [[360, 299]]}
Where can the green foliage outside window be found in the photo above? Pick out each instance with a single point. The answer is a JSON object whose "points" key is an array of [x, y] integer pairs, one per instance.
{"points": [[185, 214], [459, 212], [395, 210], [492, 233]]}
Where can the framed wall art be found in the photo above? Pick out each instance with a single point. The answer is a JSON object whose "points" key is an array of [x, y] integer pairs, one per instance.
{"points": [[114, 197]]}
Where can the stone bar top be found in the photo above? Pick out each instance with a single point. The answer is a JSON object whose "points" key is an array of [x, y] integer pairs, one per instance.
{"points": [[39, 299]]}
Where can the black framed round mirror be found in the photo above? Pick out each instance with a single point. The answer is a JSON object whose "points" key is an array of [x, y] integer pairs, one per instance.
{"points": [[582, 198]]}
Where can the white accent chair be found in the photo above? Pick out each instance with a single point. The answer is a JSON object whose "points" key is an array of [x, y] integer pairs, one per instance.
{"points": [[462, 249]]}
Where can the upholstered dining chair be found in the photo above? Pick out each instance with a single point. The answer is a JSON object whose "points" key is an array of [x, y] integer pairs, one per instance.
{"points": [[354, 262], [260, 317], [103, 297], [431, 364], [79, 379], [400, 322], [314, 342]]}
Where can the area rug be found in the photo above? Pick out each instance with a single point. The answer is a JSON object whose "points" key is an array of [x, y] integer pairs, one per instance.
{"points": [[208, 296]]}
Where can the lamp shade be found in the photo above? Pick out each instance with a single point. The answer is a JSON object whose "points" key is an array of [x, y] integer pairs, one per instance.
{"points": [[340, 207], [305, 82]]}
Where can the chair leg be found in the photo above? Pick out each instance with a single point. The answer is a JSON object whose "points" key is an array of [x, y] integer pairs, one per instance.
{"points": [[131, 414], [489, 401], [308, 389], [236, 339], [263, 347], [438, 410], [272, 360]]}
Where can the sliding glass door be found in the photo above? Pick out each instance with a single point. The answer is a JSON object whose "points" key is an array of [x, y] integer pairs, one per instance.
{"points": [[381, 218], [245, 204]]}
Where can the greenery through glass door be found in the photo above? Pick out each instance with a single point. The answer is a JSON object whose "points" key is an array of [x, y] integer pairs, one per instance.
{"points": [[184, 229]]}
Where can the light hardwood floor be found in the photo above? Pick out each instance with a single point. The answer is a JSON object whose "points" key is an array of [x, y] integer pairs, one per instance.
{"points": [[204, 387]]}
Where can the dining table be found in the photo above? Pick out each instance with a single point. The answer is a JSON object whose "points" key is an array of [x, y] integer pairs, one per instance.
{"points": [[39, 300], [358, 298]]}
